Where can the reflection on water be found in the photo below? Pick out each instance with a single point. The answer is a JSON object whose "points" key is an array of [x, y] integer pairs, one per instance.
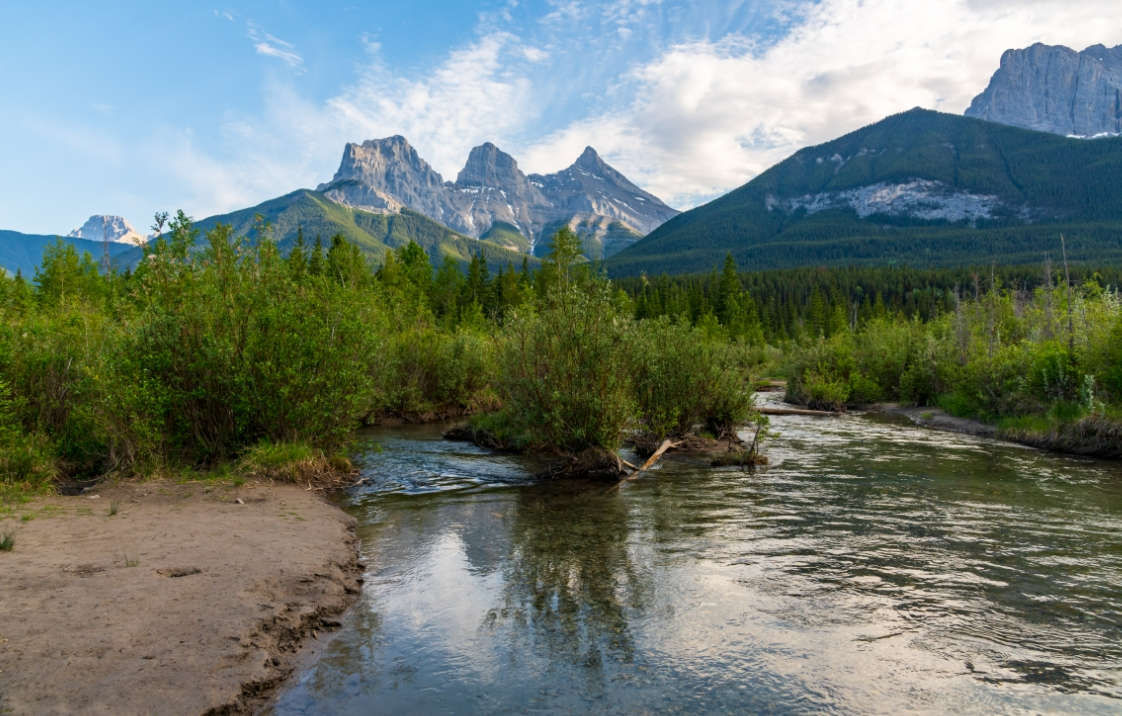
{"points": [[871, 567]]}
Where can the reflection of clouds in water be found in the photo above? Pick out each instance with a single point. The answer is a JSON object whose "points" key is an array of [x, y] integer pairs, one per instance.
{"points": [[871, 563]]}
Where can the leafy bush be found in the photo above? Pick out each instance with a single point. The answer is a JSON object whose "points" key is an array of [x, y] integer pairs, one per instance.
{"points": [[426, 371], [26, 462], [683, 378], [564, 377]]}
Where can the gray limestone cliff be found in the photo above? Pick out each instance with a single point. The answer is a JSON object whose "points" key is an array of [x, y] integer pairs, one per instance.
{"points": [[1051, 88]]}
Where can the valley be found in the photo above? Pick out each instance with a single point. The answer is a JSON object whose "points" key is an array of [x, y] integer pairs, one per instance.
{"points": [[381, 444]]}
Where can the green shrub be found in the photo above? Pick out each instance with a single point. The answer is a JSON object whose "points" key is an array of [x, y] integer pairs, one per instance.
{"points": [[428, 371], [824, 392], [564, 379], [685, 376], [563, 371]]}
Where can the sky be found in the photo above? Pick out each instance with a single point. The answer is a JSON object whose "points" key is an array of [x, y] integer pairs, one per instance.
{"points": [[135, 107]]}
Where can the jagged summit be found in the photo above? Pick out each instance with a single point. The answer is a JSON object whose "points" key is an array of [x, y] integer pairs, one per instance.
{"points": [[106, 227], [1052, 88], [491, 190], [487, 165], [589, 159]]}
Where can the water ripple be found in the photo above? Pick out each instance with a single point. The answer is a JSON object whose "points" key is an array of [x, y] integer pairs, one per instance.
{"points": [[873, 567]]}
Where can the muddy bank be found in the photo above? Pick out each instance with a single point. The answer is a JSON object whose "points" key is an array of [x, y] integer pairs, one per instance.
{"points": [[1092, 436], [190, 599], [935, 419]]}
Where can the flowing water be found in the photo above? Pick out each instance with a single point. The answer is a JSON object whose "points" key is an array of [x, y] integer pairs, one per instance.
{"points": [[872, 567]]}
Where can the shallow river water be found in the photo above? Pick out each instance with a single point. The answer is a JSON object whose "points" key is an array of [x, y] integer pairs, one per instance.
{"points": [[872, 567]]}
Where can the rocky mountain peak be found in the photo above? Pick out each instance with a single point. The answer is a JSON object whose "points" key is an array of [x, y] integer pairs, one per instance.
{"points": [[376, 155], [589, 160], [388, 174], [1052, 88], [106, 227], [487, 165]]}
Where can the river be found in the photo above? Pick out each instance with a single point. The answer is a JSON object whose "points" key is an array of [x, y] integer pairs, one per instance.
{"points": [[872, 567]]}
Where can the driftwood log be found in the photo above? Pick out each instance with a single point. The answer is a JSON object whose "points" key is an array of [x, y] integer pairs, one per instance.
{"points": [[666, 445], [796, 411]]}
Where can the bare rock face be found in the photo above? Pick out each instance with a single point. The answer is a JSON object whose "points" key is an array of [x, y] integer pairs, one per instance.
{"points": [[384, 175], [607, 211], [102, 227], [1052, 88], [592, 187], [492, 188]]}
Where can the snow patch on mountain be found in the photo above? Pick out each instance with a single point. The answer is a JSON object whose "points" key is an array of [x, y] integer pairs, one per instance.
{"points": [[104, 227], [918, 198]]}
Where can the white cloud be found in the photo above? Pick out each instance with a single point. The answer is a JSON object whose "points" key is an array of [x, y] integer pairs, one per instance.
{"points": [[705, 117], [272, 46], [478, 93], [697, 119], [534, 54]]}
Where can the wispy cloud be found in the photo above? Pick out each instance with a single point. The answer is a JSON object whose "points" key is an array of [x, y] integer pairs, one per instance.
{"points": [[272, 46], [701, 111], [477, 93], [706, 116]]}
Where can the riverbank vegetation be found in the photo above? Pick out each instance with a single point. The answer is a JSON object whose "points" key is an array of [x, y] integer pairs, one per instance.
{"points": [[1035, 351], [218, 351], [1043, 364]]}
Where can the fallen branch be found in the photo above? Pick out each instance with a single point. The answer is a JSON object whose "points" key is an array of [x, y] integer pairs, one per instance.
{"points": [[666, 445], [796, 411], [771, 386]]}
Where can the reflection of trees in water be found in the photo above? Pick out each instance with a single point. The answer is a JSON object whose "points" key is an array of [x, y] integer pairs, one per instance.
{"points": [[348, 660], [570, 583]]}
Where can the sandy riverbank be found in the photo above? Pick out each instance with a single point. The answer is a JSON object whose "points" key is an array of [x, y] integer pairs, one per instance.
{"points": [[183, 602]]}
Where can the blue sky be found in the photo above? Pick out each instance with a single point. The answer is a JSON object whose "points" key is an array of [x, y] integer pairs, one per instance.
{"points": [[130, 108]]}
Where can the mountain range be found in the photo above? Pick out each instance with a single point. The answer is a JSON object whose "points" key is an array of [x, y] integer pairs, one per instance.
{"points": [[917, 188], [493, 198], [21, 253], [317, 216]]}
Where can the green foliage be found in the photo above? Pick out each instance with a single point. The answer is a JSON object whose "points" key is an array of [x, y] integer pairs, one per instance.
{"points": [[219, 350], [1005, 354], [564, 378], [231, 349], [425, 372], [26, 463], [683, 378], [577, 371]]}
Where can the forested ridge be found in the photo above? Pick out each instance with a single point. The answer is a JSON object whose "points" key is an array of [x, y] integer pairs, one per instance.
{"points": [[1038, 185]]}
